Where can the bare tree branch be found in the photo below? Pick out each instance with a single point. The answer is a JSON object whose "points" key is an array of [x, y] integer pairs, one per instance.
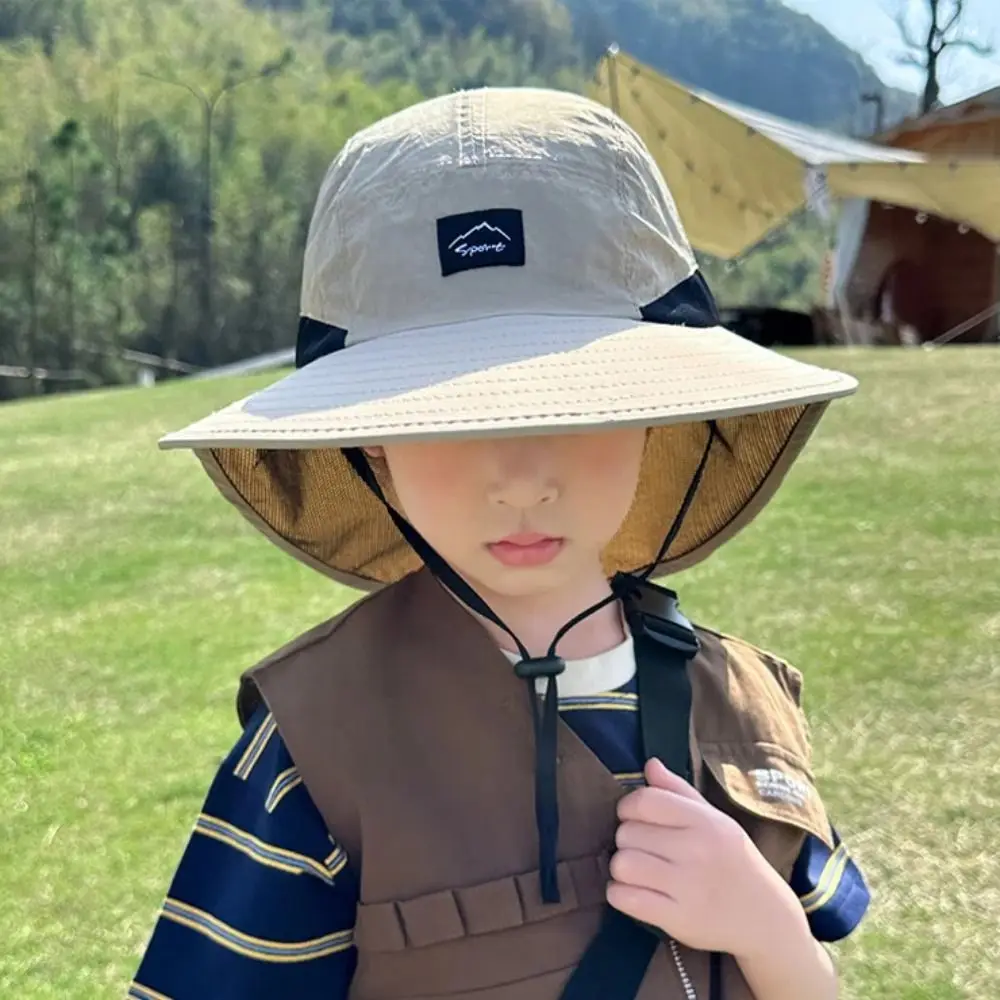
{"points": [[979, 48], [956, 16], [944, 31]]}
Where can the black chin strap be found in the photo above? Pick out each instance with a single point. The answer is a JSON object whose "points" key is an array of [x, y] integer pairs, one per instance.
{"points": [[682, 511], [545, 716]]}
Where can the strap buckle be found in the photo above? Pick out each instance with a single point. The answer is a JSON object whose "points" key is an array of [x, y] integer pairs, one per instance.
{"points": [[676, 635], [654, 611]]}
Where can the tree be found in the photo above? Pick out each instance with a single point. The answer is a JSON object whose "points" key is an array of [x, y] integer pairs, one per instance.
{"points": [[943, 32], [104, 193], [140, 219], [235, 77]]}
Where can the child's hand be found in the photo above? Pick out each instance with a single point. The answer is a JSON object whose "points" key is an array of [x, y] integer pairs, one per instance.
{"points": [[691, 870]]}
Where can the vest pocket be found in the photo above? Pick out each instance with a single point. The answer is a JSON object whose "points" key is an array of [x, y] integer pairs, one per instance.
{"points": [[770, 791], [480, 937], [498, 905]]}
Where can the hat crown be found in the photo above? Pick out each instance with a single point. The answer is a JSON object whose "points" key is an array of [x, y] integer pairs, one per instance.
{"points": [[487, 203], [504, 262]]}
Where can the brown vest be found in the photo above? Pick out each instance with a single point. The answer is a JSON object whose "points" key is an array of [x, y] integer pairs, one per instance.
{"points": [[414, 739]]}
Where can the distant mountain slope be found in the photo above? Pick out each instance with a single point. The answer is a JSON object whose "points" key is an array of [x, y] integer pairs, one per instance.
{"points": [[757, 52]]}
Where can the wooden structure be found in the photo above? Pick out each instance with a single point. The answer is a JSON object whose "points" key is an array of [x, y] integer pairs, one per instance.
{"points": [[921, 274]]}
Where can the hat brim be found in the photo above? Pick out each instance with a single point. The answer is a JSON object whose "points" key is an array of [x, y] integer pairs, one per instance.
{"points": [[514, 375], [277, 455]]}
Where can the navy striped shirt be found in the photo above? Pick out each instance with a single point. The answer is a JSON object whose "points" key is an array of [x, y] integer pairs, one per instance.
{"points": [[263, 902]]}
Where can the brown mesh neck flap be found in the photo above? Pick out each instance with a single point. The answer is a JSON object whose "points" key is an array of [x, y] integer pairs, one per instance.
{"points": [[310, 502]]}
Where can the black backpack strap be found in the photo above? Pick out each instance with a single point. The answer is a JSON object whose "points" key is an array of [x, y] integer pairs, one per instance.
{"points": [[615, 963]]}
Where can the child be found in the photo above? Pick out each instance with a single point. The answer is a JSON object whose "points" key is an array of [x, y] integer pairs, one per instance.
{"points": [[515, 770]]}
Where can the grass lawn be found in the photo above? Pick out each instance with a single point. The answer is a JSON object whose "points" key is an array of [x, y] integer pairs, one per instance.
{"points": [[132, 596]]}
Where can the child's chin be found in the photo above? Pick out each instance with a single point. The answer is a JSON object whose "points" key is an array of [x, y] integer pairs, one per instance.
{"points": [[525, 581]]}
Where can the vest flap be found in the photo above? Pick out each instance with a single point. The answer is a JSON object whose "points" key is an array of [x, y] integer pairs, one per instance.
{"points": [[497, 905], [769, 783]]}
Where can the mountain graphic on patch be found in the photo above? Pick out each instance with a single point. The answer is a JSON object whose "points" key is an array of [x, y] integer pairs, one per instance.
{"points": [[489, 238], [456, 243]]}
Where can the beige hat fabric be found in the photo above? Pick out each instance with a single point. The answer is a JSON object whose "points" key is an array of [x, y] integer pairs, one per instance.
{"points": [[506, 261]]}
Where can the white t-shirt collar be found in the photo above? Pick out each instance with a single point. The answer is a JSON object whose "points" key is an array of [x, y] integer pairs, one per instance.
{"points": [[592, 675]]}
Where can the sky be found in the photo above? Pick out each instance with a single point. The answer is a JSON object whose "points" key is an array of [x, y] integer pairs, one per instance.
{"points": [[868, 26]]}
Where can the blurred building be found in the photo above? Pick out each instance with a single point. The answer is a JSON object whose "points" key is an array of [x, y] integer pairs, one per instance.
{"points": [[919, 272]]}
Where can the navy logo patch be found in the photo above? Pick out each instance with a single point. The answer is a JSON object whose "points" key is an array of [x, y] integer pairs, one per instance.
{"points": [[493, 237]]}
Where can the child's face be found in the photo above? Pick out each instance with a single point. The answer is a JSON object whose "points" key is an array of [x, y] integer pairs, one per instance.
{"points": [[520, 516]]}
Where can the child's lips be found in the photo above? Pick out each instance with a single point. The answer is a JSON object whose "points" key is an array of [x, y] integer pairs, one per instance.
{"points": [[526, 549]]}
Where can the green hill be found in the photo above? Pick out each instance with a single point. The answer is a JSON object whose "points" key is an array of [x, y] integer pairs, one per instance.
{"points": [[133, 596], [756, 51], [106, 244]]}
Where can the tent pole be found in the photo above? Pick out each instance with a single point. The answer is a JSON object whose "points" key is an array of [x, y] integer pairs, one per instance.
{"points": [[611, 57], [964, 327]]}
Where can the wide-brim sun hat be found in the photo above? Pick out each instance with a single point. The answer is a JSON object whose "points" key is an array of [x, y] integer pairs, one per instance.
{"points": [[504, 262]]}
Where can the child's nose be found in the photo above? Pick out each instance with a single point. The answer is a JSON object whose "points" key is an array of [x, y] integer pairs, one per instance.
{"points": [[523, 474], [523, 493]]}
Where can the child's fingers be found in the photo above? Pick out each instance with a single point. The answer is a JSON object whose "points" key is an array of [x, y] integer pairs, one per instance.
{"points": [[644, 871], [661, 807], [658, 775], [663, 841]]}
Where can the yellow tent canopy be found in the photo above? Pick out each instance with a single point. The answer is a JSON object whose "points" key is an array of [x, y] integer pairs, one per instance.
{"points": [[737, 173]]}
